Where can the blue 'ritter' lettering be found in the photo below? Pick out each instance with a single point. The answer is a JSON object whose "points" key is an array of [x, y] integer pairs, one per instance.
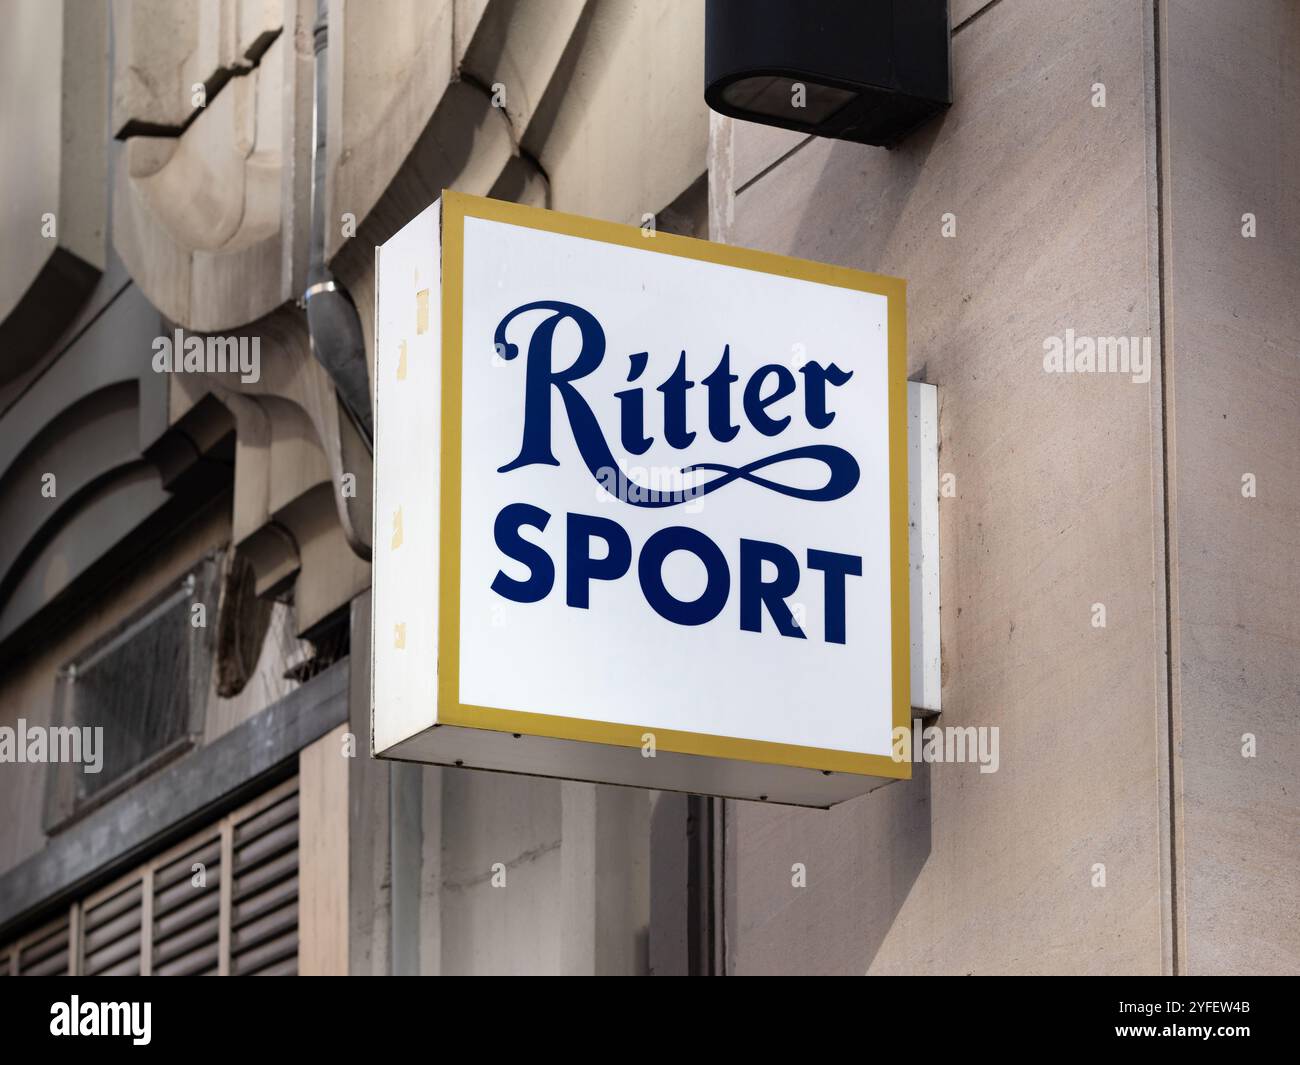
{"points": [[766, 387]]}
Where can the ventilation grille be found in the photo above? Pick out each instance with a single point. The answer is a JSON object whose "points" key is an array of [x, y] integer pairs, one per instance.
{"points": [[264, 899], [187, 911], [145, 687], [223, 901], [110, 933], [44, 953]]}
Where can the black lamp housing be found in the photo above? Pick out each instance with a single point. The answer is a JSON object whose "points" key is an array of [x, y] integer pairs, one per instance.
{"points": [[869, 71]]}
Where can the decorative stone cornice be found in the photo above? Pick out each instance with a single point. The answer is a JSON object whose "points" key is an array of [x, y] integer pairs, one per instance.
{"points": [[210, 206], [302, 490]]}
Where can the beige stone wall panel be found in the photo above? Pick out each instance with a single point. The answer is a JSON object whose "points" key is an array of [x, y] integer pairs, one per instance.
{"points": [[53, 97], [1232, 89], [1057, 507]]}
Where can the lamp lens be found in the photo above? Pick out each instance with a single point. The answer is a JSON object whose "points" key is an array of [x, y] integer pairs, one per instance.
{"points": [[805, 102]]}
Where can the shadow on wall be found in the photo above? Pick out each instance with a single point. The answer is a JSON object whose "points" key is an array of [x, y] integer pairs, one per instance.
{"points": [[859, 862], [860, 859], [886, 180]]}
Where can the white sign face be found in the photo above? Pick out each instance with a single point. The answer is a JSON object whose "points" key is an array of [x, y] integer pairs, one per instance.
{"points": [[673, 494]]}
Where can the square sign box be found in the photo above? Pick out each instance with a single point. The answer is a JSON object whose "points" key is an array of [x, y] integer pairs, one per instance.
{"points": [[640, 508]]}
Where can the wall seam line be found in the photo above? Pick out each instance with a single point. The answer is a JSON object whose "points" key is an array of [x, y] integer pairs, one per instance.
{"points": [[1166, 432]]}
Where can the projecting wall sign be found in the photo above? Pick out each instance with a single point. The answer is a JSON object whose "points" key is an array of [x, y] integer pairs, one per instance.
{"points": [[641, 508]]}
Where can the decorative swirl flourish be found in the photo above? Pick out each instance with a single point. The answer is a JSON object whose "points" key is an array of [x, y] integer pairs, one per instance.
{"points": [[842, 478]]}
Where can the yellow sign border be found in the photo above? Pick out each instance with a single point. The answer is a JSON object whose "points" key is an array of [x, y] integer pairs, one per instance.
{"points": [[456, 207]]}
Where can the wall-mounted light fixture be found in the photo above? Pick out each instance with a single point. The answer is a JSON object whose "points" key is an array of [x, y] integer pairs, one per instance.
{"points": [[861, 70]]}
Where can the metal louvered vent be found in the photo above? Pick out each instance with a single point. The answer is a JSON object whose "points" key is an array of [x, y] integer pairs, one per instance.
{"points": [[144, 686], [110, 932], [187, 911], [45, 953], [264, 896], [225, 901]]}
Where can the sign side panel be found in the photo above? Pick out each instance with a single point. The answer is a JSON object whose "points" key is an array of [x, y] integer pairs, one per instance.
{"points": [[407, 426], [923, 511]]}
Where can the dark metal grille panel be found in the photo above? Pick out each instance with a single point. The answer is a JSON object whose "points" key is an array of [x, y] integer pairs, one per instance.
{"points": [[264, 897], [110, 934], [187, 911], [225, 900], [46, 953]]}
